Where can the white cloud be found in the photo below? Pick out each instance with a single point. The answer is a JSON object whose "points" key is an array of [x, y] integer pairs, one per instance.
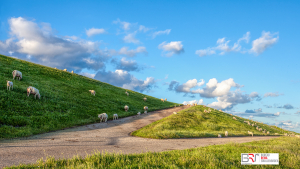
{"points": [[94, 31], [124, 25], [205, 52], [200, 102], [270, 94], [298, 112], [265, 41], [128, 65], [133, 52], [186, 87], [130, 38], [87, 74], [10, 53], [142, 28], [174, 47], [167, 31]]}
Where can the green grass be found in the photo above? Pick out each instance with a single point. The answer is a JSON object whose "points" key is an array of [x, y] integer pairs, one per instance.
{"points": [[193, 122], [65, 100], [216, 156]]}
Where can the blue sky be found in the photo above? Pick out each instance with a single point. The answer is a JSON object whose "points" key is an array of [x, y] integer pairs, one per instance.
{"points": [[240, 57]]}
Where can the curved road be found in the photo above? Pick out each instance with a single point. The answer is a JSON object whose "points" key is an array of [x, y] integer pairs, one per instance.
{"points": [[112, 136]]}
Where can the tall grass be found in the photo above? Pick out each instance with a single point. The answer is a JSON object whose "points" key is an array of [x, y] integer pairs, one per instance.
{"points": [[216, 156], [193, 122], [65, 100]]}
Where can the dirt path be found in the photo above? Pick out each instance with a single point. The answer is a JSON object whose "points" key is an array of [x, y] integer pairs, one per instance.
{"points": [[110, 136]]}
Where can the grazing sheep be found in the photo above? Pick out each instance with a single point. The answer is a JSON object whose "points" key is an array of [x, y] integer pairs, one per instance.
{"points": [[268, 132], [72, 71], [32, 90], [55, 68], [17, 74], [165, 99], [92, 92], [126, 107], [174, 112], [115, 117], [205, 111], [65, 70], [103, 116], [260, 129], [263, 131], [139, 113], [226, 133], [145, 99], [285, 134], [230, 114], [219, 135], [220, 110], [257, 128], [162, 100], [249, 132], [145, 108], [10, 84], [234, 118], [276, 133], [204, 106], [145, 112], [252, 125], [127, 93], [298, 136]]}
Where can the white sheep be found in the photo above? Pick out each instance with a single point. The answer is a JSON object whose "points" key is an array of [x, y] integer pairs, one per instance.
{"points": [[276, 133], [65, 70], [145, 99], [234, 118], [204, 106], [9, 84], [145, 108], [165, 99], [139, 113], [268, 132], [126, 107], [32, 90], [92, 92], [145, 112], [219, 135], [249, 132], [252, 125], [298, 136], [103, 116], [162, 100], [226, 133], [55, 68], [285, 134], [72, 71], [115, 116], [17, 74], [230, 114], [127, 93], [174, 112]]}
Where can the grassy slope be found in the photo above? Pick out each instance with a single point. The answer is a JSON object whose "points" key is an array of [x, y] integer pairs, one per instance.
{"points": [[65, 100], [215, 156], [192, 122]]}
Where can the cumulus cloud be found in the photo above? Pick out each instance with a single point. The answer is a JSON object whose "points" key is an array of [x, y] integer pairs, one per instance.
{"points": [[167, 31], [268, 106], [124, 25], [133, 52], [223, 47], [254, 111], [288, 124], [199, 102], [174, 47], [271, 94], [186, 87], [286, 106], [265, 41], [130, 38], [94, 31], [128, 65], [143, 28], [40, 43], [122, 78]]}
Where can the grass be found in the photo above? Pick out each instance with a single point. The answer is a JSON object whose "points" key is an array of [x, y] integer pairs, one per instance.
{"points": [[65, 100], [193, 122], [216, 156]]}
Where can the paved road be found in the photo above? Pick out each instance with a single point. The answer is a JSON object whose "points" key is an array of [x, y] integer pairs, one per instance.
{"points": [[112, 136]]}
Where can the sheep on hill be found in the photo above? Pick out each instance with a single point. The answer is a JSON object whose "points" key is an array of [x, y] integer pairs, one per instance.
{"points": [[162, 100], [115, 116], [17, 74], [268, 132], [145, 99], [103, 116], [65, 70], [226, 133], [174, 112], [219, 136], [234, 118], [249, 132], [92, 92], [146, 109], [126, 108], [165, 99], [127, 93], [145, 112], [298, 136], [72, 71], [9, 84], [34, 91], [139, 113]]}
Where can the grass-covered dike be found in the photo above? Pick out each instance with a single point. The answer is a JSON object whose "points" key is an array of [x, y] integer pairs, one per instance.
{"points": [[65, 100], [193, 122], [215, 156]]}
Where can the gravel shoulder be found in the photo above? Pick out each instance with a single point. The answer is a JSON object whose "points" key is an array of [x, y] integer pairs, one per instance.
{"points": [[113, 136]]}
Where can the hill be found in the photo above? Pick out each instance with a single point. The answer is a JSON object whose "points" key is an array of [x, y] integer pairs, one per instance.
{"points": [[193, 122], [65, 100]]}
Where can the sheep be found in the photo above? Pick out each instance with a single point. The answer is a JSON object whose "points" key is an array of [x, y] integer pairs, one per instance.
{"points": [[234, 118], [126, 107], [249, 132], [55, 68], [174, 112], [165, 99], [230, 114], [145, 112], [204, 106], [72, 71], [276, 133], [17, 74], [139, 113], [268, 132], [263, 131], [103, 116], [226, 133], [298, 136], [220, 110], [115, 116], [162, 100], [65, 70], [219, 135], [92, 92], [260, 129], [10, 84], [145, 99], [145, 108], [32, 90], [252, 125], [205, 111], [127, 93]]}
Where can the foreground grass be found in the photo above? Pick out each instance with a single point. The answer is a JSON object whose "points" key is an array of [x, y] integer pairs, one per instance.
{"points": [[193, 122], [217, 156], [65, 100]]}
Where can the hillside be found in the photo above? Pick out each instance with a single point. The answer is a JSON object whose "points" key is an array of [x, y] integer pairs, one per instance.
{"points": [[65, 100], [193, 122]]}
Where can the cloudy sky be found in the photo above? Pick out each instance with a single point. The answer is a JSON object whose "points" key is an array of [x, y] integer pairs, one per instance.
{"points": [[240, 57]]}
